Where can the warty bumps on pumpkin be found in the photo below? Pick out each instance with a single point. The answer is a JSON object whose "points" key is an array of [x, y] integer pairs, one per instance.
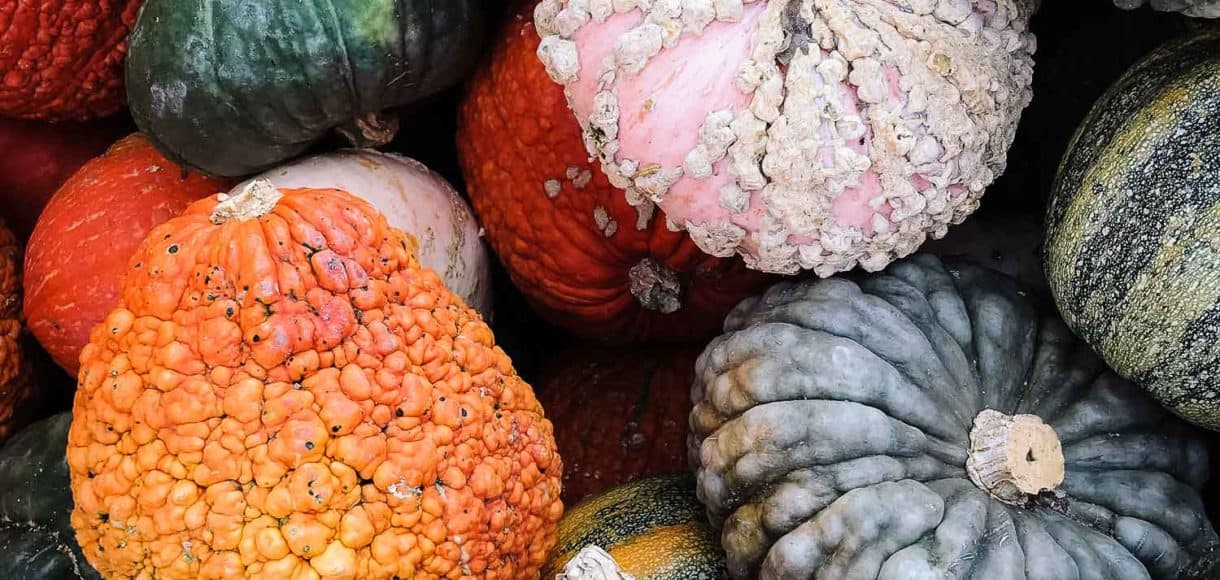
{"points": [[284, 393], [16, 387], [585, 258], [800, 134], [63, 59]]}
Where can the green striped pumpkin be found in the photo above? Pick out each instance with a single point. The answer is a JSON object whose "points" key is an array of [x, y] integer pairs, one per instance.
{"points": [[1132, 245], [654, 529]]}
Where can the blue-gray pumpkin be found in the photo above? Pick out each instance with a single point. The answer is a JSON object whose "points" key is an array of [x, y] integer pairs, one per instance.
{"points": [[935, 421]]}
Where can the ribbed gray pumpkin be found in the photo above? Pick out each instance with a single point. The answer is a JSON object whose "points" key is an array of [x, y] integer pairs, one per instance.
{"points": [[893, 428], [1133, 228]]}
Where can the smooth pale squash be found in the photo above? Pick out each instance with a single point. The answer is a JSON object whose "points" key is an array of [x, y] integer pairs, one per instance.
{"points": [[233, 87], [654, 529], [1133, 227]]}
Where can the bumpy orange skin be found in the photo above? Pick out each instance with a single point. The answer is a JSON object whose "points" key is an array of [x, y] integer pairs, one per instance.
{"points": [[620, 413], [515, 134], [16, 388], [84, 239], [292, 396], [63, 59]]}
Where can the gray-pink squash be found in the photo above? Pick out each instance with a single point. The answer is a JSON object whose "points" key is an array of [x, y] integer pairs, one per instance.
{"points": [[801, 134], [933, 421]]}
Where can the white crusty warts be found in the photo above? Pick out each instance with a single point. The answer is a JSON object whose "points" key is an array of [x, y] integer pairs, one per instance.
{"points": [[800, 134]]}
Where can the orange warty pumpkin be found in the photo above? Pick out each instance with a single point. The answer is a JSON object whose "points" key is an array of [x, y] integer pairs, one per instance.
{"points": [[587, 260], [84, 238], [16, 388], [620, 413], [284, 393], [63, 59]]}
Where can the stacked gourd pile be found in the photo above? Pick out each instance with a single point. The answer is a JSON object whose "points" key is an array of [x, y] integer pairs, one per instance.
{"points": [[243, 334]]}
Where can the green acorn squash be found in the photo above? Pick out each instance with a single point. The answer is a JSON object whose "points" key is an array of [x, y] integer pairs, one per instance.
{"points": [[36, 537], [932, 421], [1132, 250], [649, 529], [233, 87]]}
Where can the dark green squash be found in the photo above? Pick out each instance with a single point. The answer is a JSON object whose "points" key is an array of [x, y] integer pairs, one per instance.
{"points": [[653, 529], [871, 430], [36, 537], [1132, 249], [233, 87]]}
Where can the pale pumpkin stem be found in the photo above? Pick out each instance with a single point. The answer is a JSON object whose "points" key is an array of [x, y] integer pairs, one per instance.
{"points": [[1014, 457], [655, 286], [593, 563], [254, 200], [371, 130]]}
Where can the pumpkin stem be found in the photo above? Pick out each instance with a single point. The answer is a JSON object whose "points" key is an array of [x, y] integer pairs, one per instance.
{"points": [[1014, 457], [593, 563], [655, 286], [371, 130], [255, 199]]}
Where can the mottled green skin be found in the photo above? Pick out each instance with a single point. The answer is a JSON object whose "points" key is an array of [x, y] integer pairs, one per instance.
{"points": [[1132, 248], [233, 87], [36, 537], [655, 528], [832, 427]]}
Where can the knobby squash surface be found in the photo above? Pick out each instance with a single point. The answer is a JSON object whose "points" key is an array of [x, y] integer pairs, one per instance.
{"points": [[283, 391], [935, 420], [586, 259]]}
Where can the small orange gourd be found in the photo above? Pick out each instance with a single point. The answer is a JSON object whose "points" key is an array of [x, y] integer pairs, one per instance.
{"points": [[284, 393]]}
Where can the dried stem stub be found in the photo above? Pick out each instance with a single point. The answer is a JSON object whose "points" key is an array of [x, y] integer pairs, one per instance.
{"points": [[1014, 457]]}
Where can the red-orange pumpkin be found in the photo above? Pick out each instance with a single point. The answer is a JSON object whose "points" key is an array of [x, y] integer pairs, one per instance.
{"points": [[283, 392], [620, 413], [83, 240], [588, 260], [63, 59]]}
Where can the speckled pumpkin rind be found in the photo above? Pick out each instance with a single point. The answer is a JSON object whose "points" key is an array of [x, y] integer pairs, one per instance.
{"points": [[232, 87], [832, 425], [1134, 224], [620, 413], [655, 529], [579, 252], [16, 383], [63, 59], [36, 537], [292, 395]]}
